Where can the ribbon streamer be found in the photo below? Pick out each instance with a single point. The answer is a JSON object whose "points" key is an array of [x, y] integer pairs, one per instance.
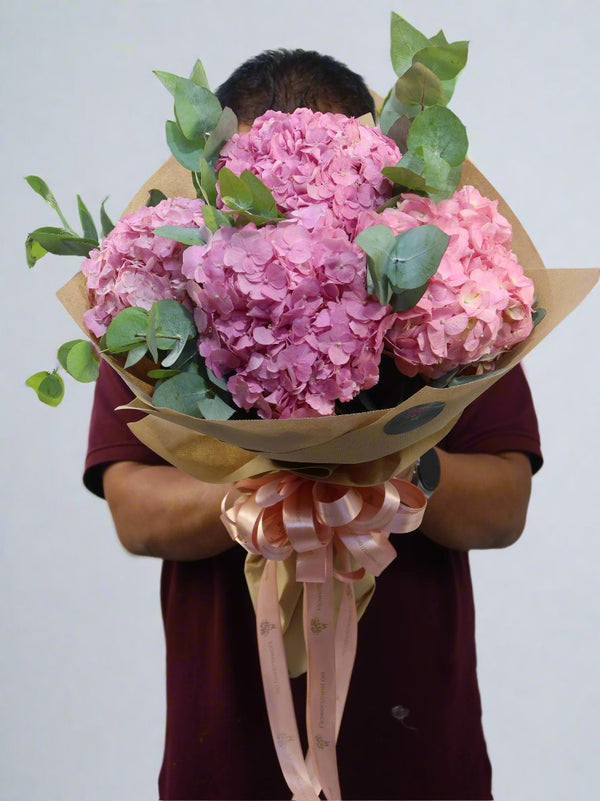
{"points": [[327, 526]]}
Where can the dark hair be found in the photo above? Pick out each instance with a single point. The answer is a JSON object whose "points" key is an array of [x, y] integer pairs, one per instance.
{"points": [[284, 80]]}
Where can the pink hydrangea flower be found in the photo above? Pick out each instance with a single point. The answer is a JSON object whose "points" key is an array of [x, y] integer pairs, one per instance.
{"points": [[133, 267], [284, 313], [479, 302], [312, 158]]}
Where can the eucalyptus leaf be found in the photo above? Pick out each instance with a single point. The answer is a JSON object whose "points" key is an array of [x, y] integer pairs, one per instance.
{"points": [[419, 86], [33, 251], [198, 75], [405, 42], [170, 325], [392, 109], [446, 61], [105, 222], [399, 131], [43, 190], [438, 130], [225, 128], [61, 242], [214, 219], [208, 182], [438, 39], [161, 373], [155, 196], [127, 330], [235, 193], [415, 256], [168, 80], [405, 178], [537, 315], [182, 393], [459, 380], [82, 362], [407, 298], [178, 233], [186, 152], [64, 350], [49, 387], [263, 202], [135, 355], [87, 222], [197, 109], [213, 407]]}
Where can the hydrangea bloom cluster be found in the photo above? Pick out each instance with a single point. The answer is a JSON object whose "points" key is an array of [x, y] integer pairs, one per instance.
{"points": [[309, 158], [284, 313], [478, 303], [133, 267]]}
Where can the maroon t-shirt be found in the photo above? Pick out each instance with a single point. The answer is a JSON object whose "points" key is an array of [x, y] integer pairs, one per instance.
{"points": [[412, 725]]}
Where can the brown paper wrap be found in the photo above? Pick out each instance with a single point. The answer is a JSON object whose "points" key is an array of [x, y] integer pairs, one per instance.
{"points": [[354, 449]]}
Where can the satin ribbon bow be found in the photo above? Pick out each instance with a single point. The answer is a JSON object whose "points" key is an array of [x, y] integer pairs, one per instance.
{"points": [[275, 516]]}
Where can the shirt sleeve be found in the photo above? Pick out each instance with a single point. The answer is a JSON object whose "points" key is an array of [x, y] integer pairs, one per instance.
{"points": [[110, 439], [502, 419]]}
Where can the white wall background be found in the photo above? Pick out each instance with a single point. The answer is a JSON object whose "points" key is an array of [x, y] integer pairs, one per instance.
{"points": [[81, 673]]}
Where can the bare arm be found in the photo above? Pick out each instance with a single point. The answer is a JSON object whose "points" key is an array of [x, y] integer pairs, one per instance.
{"points": [[160, 511], [481, 501]]}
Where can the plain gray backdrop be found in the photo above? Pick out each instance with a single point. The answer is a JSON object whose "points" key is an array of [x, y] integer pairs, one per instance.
{"points": [[81, 675]]}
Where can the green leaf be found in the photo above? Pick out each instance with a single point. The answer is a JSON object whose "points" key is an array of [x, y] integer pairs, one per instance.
{"points": [[398, 131], [377, 242], [43, 190], [33, 251], [161, 373], [197, 110], [214, 219], [127, 330], [446, 61], [155, 196], [49, 387], [198, 75], [405, 178], [438, 130], [537, 315], [419, 86], [106, 223], [170, 325], [82, 361], [235, 193], [214, 408], [187, 153], [135, 355], [415, 256], [168, 80], [263, 202], [438, 39], [61, 242], [393, 109], [225, 128], [407, 298], [405, 42], [181, 393], [64, 349], [208, 182], [178, 233], [87, 222]]}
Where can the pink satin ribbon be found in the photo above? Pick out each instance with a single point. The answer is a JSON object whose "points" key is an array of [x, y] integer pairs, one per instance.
{"points": [[324, 524]]}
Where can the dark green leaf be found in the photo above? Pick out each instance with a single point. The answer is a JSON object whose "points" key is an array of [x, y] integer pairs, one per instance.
{"points": [[405, 42], [399, 131], [87, 222], [208, 182], [61, 242], [407, 298], [106, 223], [155, 196], [161, 373], [170, 325], [263, 202], [49, 387], [438, 130], [446, 61], [538, 315], [469, 379], [405, 178], [82, 362], [419, 86], [197, 110], [187, 236], [187, 153], [127, 330], [198, 75], [392, 109], [225, 128], [33, 251]]}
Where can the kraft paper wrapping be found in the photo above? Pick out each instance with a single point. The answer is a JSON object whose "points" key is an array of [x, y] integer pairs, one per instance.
{"points": [[354, 449]]}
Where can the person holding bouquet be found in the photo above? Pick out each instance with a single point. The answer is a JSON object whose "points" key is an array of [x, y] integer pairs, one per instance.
{"points": [[412, 724]]}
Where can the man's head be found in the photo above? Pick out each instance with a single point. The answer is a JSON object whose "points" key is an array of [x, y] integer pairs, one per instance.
{"points": [[284, 80]]}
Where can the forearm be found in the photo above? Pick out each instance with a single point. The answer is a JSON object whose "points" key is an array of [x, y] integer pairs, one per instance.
{"points": [[162, 512], [481, 501]]}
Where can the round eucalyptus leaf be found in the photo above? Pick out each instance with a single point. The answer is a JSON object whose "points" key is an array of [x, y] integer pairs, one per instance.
{"points": [[438, 130], [82, 362], [127, 330]]}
